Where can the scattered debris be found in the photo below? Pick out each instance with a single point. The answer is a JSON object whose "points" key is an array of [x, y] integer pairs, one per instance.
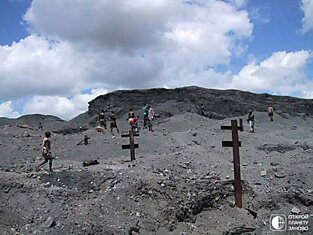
{"points": [[133, 229], [50, 222], [84, 141], [281, 148], [252, 212], [90, 162], [47, 185], [263, 173], [25, 134], [293, 127], [70, 130], [240, 230], [100, 129], [25, 126], [295, 210], [280, 174], [274, 164]]}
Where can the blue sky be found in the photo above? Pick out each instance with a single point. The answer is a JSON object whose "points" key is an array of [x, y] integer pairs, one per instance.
{"points": [[282, 32], [58, 55], [11, 18]]}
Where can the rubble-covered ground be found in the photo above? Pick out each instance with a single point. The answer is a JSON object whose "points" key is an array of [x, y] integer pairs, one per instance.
{"points": [[180, 183]]}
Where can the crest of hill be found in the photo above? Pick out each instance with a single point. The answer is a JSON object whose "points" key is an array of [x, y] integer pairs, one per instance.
{"points": [[218, 103], [33, 120]]}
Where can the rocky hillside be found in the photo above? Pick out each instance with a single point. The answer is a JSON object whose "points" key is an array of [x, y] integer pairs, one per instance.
{"points": [[182, 179], [220, 103], [180, 183], [33, 120]]}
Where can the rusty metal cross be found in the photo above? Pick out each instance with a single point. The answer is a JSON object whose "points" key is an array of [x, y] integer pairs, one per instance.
{"points": [[132, 146], [235, 143]]}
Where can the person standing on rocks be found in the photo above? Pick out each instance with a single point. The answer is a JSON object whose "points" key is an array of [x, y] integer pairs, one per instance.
{"points": [[113, 124], [131, 114], [251, 121], [270, 111], [202, 111], [102, 121], [145, 115], [150, 117], [46, 151]]}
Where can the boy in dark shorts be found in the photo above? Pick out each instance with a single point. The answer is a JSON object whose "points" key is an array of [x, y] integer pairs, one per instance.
{"points": [[46, 151], [270, 111], [102, 121], [113, 124]]}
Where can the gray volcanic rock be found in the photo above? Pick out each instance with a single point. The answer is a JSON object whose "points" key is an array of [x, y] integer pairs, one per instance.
{"points": [[180, 183], [218, 103], [182, 179], [33, 119], [48, 122], [6, 121]]}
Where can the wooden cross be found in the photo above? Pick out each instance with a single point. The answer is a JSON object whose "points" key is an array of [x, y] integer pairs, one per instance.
{"points": [[235, 143], [132, 146], [85, 140]]}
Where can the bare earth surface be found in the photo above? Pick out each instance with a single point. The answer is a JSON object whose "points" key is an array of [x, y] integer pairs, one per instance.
{"points": [[180, 182]]}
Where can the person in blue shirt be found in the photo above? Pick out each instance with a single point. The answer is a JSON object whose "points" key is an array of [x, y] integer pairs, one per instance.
{"points": [[145, 115]]}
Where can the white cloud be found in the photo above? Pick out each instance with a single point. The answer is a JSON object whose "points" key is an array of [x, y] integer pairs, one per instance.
{"points": [[36, 66], [119, 44], [115, 24], [307, 7], [62, 107], [307, 94], [116, 44], [282, 73], [206, 36], [257, 16], [202, 77], [238, 3], [6, 110]]}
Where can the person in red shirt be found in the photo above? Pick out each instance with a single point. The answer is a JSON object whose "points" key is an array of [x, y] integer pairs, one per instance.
{"points": [[132, 120]]}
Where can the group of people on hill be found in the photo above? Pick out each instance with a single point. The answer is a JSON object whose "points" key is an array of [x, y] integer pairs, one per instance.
{"points": [[148, 117], [111, 118], [250, 120]]}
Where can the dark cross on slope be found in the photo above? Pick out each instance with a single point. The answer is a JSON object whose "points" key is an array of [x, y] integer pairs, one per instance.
{"points": [[85, 140], [235, 143], [132, 146]]}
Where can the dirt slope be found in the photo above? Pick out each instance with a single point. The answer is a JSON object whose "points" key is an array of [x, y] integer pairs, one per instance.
{"points": [[180, 183]]}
